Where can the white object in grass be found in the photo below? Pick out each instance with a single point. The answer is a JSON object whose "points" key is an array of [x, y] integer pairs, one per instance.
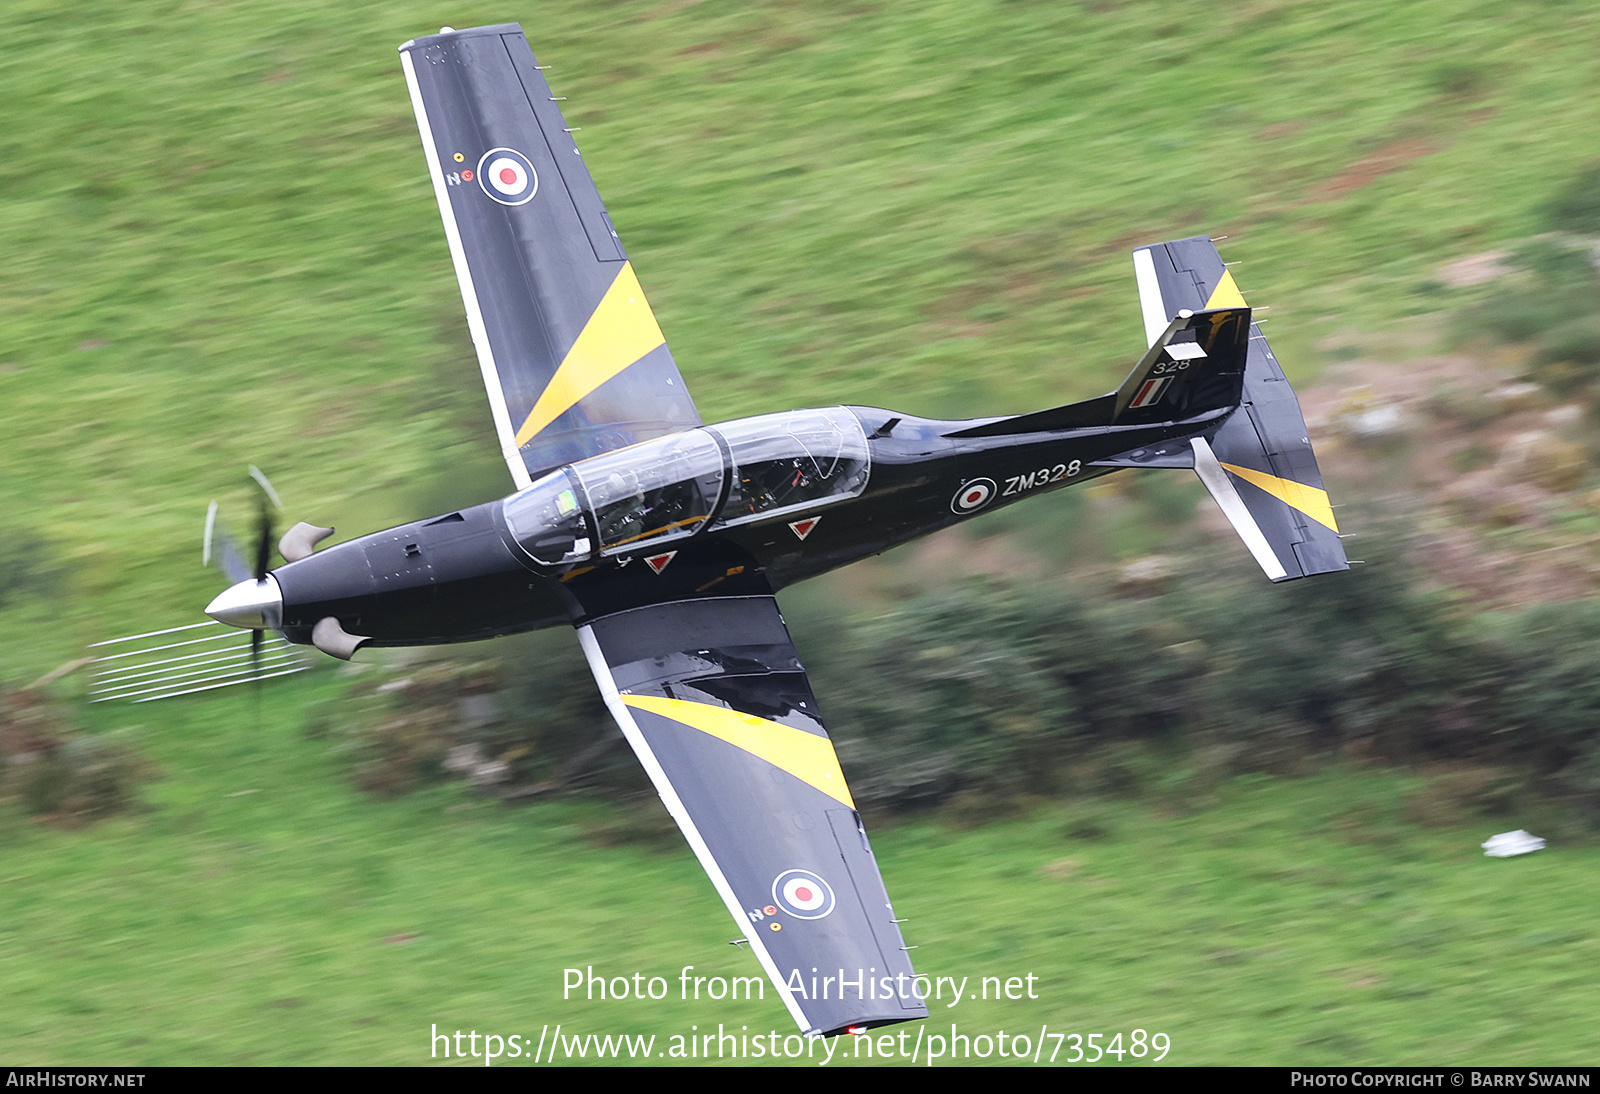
{"points": [[1507, 844]]}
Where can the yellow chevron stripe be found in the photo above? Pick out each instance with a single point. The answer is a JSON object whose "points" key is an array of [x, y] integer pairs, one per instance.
{"points": [[1226, 294], [621, 330], [1308, 499], [806, 756]]}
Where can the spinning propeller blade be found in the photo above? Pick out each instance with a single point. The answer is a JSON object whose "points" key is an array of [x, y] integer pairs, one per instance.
{"points": [[264, 506]]}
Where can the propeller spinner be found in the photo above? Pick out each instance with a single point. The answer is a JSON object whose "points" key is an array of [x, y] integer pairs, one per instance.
{"points": [[252, 604], [255, 600]]}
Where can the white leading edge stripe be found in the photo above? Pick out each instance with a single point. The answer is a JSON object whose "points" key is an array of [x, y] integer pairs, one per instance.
{"points": [[669, 797], [469, 295], [1155, 312], [1216, 479]]}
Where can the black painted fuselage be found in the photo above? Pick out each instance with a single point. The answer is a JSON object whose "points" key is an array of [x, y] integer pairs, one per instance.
{"points": [[468, 574]]}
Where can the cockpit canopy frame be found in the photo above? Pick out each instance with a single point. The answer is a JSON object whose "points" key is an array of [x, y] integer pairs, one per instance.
{"points": [[664, 490]]}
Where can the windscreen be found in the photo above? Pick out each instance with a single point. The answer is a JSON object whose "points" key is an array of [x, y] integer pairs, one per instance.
{"points": [[548, 522]]}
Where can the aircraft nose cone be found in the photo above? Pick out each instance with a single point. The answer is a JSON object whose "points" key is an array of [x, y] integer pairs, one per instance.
{"points": [[254, 605]]}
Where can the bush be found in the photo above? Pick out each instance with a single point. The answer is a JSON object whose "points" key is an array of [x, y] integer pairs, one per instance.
{"points": [[984, 698], [520, 724], [1314, 666], [1554, 304], [1550, 707], [1576, 340], [26, 567], [57, 773], [951, 692], [1577, 207]]}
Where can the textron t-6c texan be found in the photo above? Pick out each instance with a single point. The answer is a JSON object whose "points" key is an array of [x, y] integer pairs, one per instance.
{"points": [[662, 540]]}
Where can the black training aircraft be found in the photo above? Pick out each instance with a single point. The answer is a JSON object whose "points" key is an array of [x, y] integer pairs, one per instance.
{"points": [[662, 540]]}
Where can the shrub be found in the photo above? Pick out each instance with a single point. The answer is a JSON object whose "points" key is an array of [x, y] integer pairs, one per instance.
{"points": [[950, 692], [986, 697], [26, 567], [55, 772], [515, 725], [1577, 207]]}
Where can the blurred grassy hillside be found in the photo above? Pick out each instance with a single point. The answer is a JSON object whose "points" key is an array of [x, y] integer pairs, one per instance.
{"points": [[221, 247]]}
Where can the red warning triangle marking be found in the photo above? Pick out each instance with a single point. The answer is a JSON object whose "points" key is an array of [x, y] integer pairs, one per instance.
{"points": [[659, 562], [802, 528]]}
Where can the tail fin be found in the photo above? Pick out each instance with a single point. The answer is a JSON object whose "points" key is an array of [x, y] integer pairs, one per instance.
{"points": [[1259, 466], [1195, 365]]}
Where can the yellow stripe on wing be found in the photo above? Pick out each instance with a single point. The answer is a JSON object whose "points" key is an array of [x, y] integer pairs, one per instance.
{"points": [[621, 330], [1297, 495], [806, 756], [1226, 294]]}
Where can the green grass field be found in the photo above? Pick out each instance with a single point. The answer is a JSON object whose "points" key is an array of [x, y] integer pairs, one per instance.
{"points": [[263, 912], [221, 248]]}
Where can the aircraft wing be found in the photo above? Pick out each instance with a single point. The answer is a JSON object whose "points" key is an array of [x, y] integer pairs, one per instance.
{"points": [[712, 697], [1259, 465], [572, 357]]}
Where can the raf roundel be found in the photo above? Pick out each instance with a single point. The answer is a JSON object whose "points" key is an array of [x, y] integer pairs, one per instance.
{"points": [[802, 894], [972, 496], [506, 175]]}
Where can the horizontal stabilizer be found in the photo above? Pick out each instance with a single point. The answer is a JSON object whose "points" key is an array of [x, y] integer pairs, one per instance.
{"points": [[1259, 465]]}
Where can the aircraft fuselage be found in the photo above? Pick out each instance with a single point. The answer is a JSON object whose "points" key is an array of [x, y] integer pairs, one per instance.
{"points": [[760, 504]]}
